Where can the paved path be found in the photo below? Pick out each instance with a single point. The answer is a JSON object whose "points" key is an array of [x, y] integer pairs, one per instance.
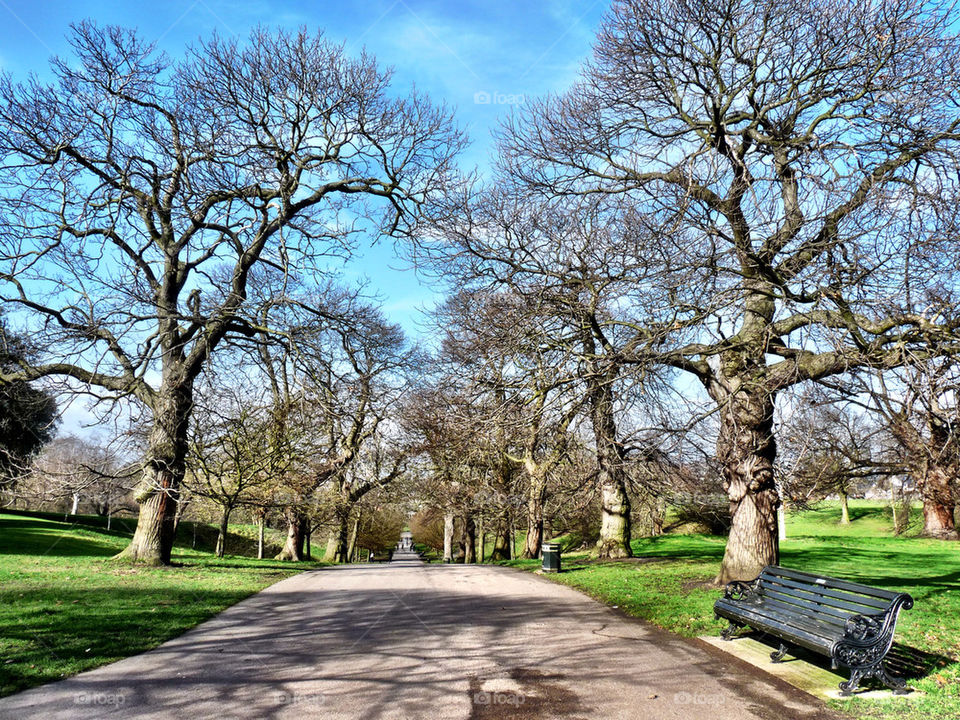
{"points": [[408, 640]]}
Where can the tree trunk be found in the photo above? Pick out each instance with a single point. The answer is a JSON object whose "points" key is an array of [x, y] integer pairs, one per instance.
{"points": [[296, 535], [501, 540], [448, 537], [261, 521], [222, 535], [354, 534], [746, 450], [936, 488], [534, 540], [76, 504], [152, 542], [339, 541], [163, 470], [844, 509], [614, 541], [469, 540], [482, 533]]}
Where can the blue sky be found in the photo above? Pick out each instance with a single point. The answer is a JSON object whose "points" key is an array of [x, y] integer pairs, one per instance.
{"points": [[463, 52]]}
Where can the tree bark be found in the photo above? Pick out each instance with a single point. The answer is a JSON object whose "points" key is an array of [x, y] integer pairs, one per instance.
{"points": [[152, 542], [261, 521], [296, 536], [354, 534], [746, 451], [482, 534], [339, 541], [222, 535], [502, 542], [469, 540], [615, 533], [163, 471], [936, 487], [536, 499], [448, 537], [844, 509]]}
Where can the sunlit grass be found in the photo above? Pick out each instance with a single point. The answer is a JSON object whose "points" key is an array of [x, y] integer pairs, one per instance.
{"points": [[65, 607]]}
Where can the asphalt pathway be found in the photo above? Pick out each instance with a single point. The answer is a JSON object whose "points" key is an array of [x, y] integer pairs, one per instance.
{"points": [[408, 640]]}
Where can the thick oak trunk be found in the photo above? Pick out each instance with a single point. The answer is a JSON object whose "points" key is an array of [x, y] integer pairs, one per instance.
{"points": [[936, 486], [339, 541], [296, 536], [152, 542], [163, 470], [502, 540], [535, 502], [844, 509], [615, 533], [746, 450]]}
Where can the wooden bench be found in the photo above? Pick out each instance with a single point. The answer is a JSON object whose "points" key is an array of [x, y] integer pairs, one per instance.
{"points": [[850, 623]]}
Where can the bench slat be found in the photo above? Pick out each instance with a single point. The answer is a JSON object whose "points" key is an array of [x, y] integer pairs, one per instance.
{"points": [[816, 599], [762, 621], [789, 617], [834, 583], [829, 615], [864, 604]]}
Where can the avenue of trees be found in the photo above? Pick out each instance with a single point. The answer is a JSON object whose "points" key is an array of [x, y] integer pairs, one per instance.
{"points": [[139, 196], [716, 274]]}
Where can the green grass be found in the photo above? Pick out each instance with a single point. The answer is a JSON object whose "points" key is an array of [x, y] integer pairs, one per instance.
{"points": [[66, 607], [241, 538], [669, 585]]}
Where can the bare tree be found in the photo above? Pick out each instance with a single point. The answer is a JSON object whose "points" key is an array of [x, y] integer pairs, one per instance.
{"points": [[75, 470], [580, 273], [831, 447], [139, 194], [232, 453], [918, 407], [796, 166], [525, 385], [345, 369]]}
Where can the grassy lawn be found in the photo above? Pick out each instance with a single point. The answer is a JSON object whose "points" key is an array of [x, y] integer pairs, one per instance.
{"points": [[668, 585], [65, 607]]}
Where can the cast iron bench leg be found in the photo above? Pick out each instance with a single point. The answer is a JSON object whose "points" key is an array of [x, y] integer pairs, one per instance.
{"points": [[879, 671], [777, 655], [732, 628]]}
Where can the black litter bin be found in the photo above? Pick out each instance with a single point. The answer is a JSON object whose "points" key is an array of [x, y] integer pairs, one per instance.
{"points": [[551, 557]]}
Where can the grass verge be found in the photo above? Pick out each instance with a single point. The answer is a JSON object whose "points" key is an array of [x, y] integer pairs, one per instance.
{"points": [[65, 607], [669, 584]]}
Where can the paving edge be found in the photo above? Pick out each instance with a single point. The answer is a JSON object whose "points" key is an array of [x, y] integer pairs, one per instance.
{"points": [[806, 676]]}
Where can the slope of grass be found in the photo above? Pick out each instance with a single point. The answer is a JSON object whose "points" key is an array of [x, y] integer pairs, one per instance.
{"points": [[670, 584], [65, 607], [241, 538]]}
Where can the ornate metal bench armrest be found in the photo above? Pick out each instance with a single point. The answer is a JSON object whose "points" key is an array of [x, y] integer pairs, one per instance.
{"points": [[864, 629], [739, 589]]}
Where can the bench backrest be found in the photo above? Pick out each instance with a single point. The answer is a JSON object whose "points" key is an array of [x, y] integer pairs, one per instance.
{"points": [[829, 598]]}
